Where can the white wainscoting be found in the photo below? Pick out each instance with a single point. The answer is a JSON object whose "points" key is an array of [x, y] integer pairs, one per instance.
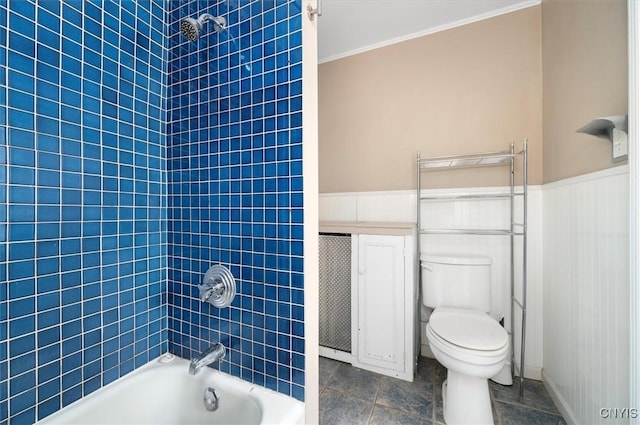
{"points": [[400, 206], [586, 294]]}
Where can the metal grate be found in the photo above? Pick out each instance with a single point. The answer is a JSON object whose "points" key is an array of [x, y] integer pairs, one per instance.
{"points": [[335, 291]]}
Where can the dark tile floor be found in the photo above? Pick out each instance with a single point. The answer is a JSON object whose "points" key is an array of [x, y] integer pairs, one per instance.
{"points": [[353, 396]]}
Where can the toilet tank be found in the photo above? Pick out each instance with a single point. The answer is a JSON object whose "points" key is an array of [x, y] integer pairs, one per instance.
{"points": [[456, 281]]}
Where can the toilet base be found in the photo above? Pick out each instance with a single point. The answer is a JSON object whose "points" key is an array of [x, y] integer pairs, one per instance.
{"points": [[466, 400]]}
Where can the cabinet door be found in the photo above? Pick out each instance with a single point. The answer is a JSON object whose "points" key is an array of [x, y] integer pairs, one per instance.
{"points": [[381, 301]]}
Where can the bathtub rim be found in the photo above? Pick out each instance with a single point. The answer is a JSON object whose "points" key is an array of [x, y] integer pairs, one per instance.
{"points": [[292, 414]]}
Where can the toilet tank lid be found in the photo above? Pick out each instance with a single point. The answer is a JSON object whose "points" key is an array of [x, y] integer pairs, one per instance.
{"points": [[471, 260]]}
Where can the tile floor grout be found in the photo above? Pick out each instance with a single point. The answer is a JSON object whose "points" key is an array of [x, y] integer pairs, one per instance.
{"points": [[530, 407]]}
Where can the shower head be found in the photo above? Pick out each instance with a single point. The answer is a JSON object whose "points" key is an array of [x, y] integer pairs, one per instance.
{"points": [[191, 28]]}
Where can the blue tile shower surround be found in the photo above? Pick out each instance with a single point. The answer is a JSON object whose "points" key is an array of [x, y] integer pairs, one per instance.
{"points": [[83, 213], [234, 151], [89, 136]]}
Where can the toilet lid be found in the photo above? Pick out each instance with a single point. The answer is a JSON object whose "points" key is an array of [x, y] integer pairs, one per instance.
{"points": [[468, 328]]}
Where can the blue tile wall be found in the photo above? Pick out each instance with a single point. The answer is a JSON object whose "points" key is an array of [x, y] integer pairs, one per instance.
{"points": [[234, 137], [82, 198], [85, 232], [4, 325]]}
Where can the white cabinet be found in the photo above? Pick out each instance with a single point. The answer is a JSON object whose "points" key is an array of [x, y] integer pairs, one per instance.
{"points": [[383, 299], [381, 302]]}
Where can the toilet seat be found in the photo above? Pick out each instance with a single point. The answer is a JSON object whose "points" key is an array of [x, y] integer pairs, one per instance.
{"points": [[468, 334], [469, 329]]}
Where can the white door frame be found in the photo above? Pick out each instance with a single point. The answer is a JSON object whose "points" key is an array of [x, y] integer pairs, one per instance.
{"points": [[634, 205], [310, 201]]}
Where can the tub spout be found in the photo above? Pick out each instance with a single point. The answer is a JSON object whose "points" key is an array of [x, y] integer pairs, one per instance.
{"points": [[214, 353]]}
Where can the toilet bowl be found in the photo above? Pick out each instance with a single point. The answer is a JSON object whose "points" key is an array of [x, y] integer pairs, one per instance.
{"points": [[473, 347], [462, 336]]}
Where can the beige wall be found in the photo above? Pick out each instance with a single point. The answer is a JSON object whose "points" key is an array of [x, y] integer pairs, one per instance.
{"points": [[470, 89], [584, 58]]}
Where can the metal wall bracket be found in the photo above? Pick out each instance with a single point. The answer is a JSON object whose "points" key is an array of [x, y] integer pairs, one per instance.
{"points": [[312, 12], [615, 130]]}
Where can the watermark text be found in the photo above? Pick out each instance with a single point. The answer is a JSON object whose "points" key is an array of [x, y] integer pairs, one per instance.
{"points": [[618, 413]]}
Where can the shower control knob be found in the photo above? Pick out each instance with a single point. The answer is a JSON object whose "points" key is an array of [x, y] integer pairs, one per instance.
{"points": [[218, 287]]}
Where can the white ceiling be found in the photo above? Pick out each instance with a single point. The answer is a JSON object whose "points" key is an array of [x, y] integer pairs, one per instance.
{"points": [[348, 27]]}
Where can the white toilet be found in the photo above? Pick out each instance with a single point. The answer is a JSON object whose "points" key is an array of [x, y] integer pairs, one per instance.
{"points": [[462, 336]]}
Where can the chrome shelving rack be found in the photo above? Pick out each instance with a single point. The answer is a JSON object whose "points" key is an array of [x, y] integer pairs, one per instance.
{"points": [[516, 229]]}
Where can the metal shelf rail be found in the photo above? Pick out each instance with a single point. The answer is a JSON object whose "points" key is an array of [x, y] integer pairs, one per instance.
{"points": [[516, 229]]}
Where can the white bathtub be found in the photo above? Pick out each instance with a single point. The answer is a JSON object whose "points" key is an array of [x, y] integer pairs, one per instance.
{"points": [[163, 392]]}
